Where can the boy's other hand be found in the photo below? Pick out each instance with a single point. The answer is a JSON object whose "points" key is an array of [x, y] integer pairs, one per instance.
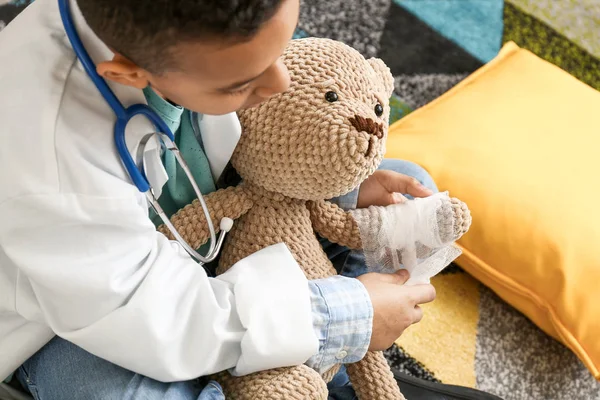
{"points": [[388, 187], [395, 306]]}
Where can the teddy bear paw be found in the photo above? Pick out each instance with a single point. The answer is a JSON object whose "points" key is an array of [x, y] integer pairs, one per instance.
{"points": [[454, 219]]}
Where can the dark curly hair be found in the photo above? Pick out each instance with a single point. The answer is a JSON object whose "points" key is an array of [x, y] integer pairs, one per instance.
{"points": [[145, 31]]}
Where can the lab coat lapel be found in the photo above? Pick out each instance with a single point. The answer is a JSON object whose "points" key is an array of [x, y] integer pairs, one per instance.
{"points": [[220, 134]]}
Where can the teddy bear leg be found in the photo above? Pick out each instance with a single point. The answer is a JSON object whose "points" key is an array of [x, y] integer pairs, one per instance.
{"points": [[331, 373], [372, 378], [293, 383]]}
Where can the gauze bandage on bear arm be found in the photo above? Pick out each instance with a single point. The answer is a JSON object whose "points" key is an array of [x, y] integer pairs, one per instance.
{"points": [[417, 235]]}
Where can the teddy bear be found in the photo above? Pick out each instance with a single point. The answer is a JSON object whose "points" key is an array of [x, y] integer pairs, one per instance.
{"points": [[320, 139]]}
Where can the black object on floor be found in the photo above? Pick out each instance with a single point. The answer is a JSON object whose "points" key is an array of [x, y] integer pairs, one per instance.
{"points": [[418, 389]]}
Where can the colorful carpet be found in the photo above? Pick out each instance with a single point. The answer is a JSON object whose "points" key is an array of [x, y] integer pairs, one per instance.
{"points": [[469, 336]]}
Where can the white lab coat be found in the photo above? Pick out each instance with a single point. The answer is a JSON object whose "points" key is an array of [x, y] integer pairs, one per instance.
{"points": [[79, 257]]}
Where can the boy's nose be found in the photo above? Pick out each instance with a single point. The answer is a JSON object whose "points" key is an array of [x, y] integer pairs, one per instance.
{"points": [[275, 81]]}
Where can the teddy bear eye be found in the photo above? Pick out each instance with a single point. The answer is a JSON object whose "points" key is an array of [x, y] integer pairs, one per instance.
{"points": [[331, 97], [379, 110]]}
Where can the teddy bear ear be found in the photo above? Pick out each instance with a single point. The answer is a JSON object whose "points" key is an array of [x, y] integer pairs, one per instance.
{"points": [[384, 73]]}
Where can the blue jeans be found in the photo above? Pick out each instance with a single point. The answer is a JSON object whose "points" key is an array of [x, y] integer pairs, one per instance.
{"points": [[63, 371]]}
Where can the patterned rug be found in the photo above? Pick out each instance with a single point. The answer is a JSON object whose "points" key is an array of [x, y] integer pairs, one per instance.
{"points": [[469, 336]]}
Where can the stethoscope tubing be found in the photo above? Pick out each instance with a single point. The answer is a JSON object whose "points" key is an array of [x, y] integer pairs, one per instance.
{"points": [[167, 138]]}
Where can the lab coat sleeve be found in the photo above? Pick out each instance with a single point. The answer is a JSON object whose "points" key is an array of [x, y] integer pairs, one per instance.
{"points": [[96, 271]]}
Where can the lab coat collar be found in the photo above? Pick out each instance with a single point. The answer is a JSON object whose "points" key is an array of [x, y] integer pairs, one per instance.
{"points": [[97, 50]]}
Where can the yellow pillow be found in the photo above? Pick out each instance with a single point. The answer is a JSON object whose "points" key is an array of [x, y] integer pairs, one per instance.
{"points": [[519, 142]]}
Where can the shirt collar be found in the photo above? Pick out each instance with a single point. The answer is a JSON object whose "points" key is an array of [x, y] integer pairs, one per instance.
{"points": [[169, 113]]}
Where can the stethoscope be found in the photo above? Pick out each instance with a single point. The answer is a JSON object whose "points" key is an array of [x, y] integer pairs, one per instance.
{"points": [[164, 134]]}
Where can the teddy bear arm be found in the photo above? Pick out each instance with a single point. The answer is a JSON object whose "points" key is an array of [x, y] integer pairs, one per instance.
{"points": [[335, 224], [190, 222]]}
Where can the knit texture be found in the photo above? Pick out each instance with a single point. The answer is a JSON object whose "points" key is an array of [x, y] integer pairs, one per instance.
{"points": [[273, 219], [310, 144], [295, 383], [332, 222], [372, 378], [190, 221], [317, 141], [302, 143]]}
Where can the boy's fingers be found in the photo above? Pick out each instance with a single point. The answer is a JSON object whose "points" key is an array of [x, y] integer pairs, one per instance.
{"points": [[395, 182], [421, 294], [403, 274], [418, 190], [415, 189], [418, 315], [397, 278], [398, 198]]}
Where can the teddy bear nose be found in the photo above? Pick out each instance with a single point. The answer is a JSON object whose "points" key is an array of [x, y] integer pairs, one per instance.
{"points": [[367, 125]]}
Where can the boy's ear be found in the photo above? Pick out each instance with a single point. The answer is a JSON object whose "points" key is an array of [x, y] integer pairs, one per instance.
{"points": [[384, 73], [123, 71]]}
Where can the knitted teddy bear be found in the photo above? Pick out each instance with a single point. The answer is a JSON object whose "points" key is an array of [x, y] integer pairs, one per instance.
{"points": [[317, 141]]}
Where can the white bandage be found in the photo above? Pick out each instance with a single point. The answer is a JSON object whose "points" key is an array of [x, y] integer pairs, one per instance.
{"points": [[408, 236]]}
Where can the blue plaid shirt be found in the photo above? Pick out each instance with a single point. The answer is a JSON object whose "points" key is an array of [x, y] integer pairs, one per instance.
{"points": [[342, 314]]}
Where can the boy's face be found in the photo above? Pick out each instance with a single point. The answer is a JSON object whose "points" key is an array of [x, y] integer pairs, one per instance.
{"points": [[217, 77]]}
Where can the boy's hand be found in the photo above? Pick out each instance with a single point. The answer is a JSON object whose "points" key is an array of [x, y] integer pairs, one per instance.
{"points": [[387, 187], [395, 306]]}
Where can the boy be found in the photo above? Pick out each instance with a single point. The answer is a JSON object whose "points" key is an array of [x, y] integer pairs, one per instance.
{"points": [[94, 302]]}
